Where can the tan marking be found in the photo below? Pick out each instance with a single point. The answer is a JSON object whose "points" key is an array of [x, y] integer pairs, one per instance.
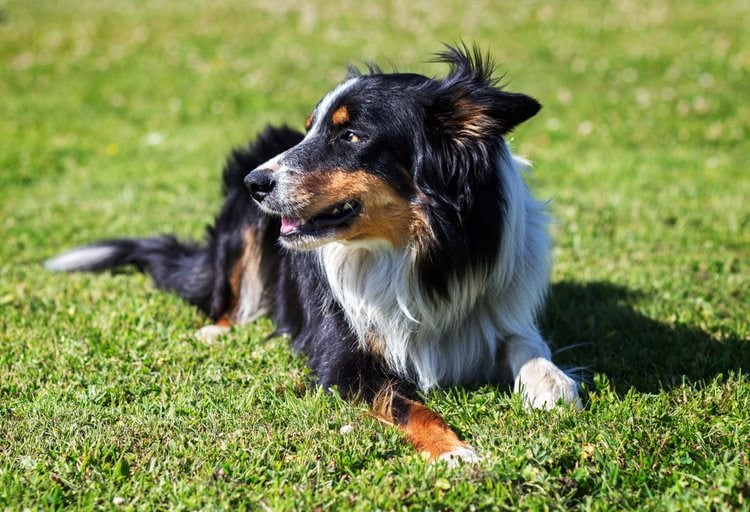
{"points": [[375, 344], [224, 321], [468, 119], [429, 433], [424, 428], [235, 280], [309, 121], [385, 216], [340, 116], [249, 300], [382, 404]]}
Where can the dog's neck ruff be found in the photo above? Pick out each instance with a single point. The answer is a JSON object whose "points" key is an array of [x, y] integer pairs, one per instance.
{"points": [[441, 341]]}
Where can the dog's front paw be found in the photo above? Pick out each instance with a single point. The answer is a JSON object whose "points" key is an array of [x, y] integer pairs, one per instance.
{"points": [[543, 385], [464, 454], [211, 333]]}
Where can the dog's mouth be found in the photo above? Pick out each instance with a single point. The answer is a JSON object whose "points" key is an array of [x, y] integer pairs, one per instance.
{"points": [[332, 219]]}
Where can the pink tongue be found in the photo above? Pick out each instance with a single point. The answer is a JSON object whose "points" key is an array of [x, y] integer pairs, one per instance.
{"points": [[289, 225]]}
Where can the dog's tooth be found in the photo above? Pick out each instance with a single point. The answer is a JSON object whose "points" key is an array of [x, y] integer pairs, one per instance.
{"points": [[335, 211], [347, 206]]}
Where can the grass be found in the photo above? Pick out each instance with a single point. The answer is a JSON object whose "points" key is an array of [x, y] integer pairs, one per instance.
{"points": [[116, 118]]}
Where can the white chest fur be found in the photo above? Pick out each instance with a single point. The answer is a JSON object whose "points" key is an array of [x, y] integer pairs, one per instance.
{"points": [[456, 339], [437, 344]]}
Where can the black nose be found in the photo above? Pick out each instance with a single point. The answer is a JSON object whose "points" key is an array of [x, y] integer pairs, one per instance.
{"points": [[260, 183]]}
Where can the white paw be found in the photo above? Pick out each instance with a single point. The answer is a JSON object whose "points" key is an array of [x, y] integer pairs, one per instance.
{"points": [[210, 333], [464, 454], [543, 385]]}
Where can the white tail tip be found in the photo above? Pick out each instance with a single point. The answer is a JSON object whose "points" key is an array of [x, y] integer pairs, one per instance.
{"points": [[79, 259]]}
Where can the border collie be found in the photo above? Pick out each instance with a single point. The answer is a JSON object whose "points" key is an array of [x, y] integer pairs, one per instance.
{"points": [[395, 242]]}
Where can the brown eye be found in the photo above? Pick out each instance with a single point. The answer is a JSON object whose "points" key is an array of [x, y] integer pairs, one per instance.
{"points": [[351, 137]]}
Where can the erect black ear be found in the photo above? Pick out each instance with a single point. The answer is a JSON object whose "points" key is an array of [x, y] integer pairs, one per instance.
{"points": [[469, 102], [510, 109]]}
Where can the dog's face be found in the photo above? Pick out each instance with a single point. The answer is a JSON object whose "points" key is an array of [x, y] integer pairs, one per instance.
{"points": [[358, 176], [349, 179]]}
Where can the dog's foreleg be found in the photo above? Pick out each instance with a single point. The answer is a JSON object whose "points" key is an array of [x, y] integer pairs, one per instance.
{"points": [[424, 428], [535, 376]]}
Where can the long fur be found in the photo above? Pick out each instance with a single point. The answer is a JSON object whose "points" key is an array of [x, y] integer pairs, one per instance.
{"points": [[396, 242], [448, 339]]}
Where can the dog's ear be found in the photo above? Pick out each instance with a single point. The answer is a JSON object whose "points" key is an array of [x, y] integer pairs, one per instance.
{"points": [[468, 103], [475, 114]]}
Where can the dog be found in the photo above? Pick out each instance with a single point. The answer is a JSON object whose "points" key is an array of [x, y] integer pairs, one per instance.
{"points": [[395, 242]]}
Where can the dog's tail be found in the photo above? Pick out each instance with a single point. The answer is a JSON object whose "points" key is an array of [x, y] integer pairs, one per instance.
{"points": [[179, 267], [198, 273]]}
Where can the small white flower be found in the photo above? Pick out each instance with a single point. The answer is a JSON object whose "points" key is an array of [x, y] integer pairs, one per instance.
{"points": [[154, 139], [585, 128]]}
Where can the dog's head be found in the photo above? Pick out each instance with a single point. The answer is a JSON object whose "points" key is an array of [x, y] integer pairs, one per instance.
{"points": [[384, 151]]}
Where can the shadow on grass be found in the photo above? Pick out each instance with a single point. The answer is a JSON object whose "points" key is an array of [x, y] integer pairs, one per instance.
{"points": [[609, 336]]}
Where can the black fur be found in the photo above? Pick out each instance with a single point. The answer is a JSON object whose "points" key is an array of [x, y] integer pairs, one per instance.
{"points": [[454, 170], [199, 273], [224, 243], [436, 142]]}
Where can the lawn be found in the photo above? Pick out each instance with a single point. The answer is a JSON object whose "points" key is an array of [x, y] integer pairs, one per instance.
{"points": [[115, 118]]}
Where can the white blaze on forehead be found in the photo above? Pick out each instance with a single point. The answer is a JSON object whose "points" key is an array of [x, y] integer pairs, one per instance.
{"points": [[274, 164], [321, 112]]}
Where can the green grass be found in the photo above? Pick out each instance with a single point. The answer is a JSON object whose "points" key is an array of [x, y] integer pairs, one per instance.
{"points": [[116, 117]]}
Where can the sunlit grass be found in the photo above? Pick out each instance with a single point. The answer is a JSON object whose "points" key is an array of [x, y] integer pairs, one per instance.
{"points": [[116, 117]]}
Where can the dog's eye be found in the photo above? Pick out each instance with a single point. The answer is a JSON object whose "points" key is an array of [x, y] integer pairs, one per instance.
{"points": [[351, 137]]}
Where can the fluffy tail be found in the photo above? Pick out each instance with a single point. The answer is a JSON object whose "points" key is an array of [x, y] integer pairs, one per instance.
{"points": [[179, 267]]}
